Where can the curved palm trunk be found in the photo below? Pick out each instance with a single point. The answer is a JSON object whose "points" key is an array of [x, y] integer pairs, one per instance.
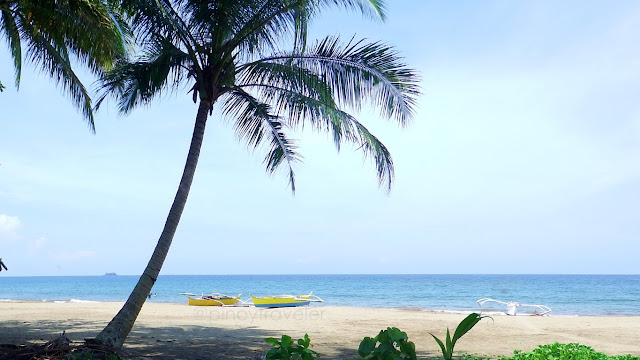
{"points": [[118, 329]]}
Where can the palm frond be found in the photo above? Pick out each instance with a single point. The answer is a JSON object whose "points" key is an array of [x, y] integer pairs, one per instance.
{"points": [[267, 22], [226, 16], [371, 8], [54, 59], [163, 67], [301, 17], [357, 71], [285, 75], [92, 30], [298, 94], [296, 109], [324, 117], [148, 18], [255, 123], [10, 30], [265, 25], [373, 147], [53, 31]]}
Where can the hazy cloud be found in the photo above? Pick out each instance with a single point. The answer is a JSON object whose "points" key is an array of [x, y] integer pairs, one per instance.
{"points": [[8, 227], [38, 243], [74, 255], [306, 260]]}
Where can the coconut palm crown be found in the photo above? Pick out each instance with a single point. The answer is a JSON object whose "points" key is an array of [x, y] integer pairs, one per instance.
{"points": [[250, 59], [55, 32]]}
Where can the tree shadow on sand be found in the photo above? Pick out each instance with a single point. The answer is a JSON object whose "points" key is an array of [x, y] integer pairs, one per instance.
{"points": [[171, 342]]}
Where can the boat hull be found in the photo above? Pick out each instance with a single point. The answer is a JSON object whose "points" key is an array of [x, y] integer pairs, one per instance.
{"points": [[212, 302], [276, 302]]}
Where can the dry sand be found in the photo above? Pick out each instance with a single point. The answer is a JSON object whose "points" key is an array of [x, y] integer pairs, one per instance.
{"points": [[177, 331]]}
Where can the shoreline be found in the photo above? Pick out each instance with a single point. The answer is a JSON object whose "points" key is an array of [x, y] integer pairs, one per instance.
{"points": [[169, 330]]}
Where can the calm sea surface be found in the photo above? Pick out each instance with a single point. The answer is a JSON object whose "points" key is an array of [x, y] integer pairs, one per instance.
{"points": [[564, 294]]}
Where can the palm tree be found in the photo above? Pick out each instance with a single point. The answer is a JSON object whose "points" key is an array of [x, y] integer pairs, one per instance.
{"points": [[229, 52], [57, 31]]}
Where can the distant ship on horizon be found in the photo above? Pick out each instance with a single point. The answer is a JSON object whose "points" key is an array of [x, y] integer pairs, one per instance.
{"points": [[110, 274]]}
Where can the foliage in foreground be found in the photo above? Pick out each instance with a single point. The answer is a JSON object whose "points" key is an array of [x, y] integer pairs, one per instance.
{"points": [[286, 349], [572, 351], [394, 344], [391, 344]]}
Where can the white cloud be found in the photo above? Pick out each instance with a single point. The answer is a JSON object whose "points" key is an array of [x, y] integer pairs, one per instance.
{"points": [[74, 255], [8, 227]]}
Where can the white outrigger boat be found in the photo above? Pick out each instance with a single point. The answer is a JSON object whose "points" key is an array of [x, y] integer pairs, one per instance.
{"points": [[512, 307]]}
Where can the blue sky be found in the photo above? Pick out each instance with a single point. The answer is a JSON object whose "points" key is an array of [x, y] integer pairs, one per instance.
{"points": [[522, 158]]}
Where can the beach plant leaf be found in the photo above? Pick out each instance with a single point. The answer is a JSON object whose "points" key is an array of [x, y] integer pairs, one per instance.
{"points": [[463, 327], [366, 346], [449, 344], [272, 341], [286, 341], [305, 342], [467, 324], [442, 347]]}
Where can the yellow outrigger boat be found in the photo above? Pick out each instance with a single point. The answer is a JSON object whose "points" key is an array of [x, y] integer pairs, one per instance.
{"points": [[215, 299], [284, 300]]}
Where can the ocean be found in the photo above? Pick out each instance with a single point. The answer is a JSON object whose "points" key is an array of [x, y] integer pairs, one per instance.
{"points": [[585, 295]]}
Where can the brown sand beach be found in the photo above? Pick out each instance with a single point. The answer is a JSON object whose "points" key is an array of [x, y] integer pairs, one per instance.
{"points": [[178, 331]]}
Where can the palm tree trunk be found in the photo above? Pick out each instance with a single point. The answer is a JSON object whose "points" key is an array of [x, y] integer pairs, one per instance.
{"points": [[115, 333]]}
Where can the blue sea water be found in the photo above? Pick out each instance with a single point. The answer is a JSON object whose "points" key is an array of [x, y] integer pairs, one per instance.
{"points": [[602, 295]]}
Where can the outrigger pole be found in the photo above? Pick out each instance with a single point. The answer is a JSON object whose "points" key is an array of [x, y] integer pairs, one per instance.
{"points": [[2, 265]]}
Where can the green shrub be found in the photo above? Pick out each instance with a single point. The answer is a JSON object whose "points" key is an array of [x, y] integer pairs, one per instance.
{"points": [[558, 351], [286, 349], [390, 344]]}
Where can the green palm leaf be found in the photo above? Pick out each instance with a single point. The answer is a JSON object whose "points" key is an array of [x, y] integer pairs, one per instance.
{"points": [[254, 123], [357, 71], [162, 68], [55, 60], [10, 30], [55, 32]]}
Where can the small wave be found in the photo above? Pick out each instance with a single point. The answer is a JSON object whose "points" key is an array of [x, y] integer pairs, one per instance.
{"points": [[449, 311], [481, 312], [5, 300], [72, 301]]}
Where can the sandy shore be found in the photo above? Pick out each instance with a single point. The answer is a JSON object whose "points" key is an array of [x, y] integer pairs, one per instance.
{"points": [[177, 331]]}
